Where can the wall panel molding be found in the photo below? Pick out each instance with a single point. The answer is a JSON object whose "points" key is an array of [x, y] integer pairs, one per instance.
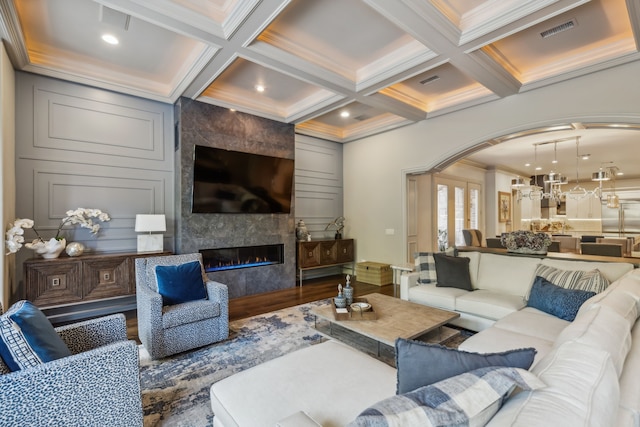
{"points": [[79, 146], [318, 184], [91, 126]]}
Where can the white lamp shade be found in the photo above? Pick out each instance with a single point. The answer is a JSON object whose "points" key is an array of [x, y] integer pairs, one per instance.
{"points": [[150, 223]]}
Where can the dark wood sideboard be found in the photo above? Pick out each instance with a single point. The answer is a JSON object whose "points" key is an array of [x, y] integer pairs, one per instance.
{"points": [[324, 253], [67, 289]]}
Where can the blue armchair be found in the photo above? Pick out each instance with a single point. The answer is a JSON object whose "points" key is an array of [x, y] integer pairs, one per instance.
{"points": [[98, 385], [169, 329]]}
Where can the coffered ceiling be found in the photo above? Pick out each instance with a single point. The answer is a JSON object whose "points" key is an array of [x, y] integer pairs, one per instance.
{"points": [[386, 63]]}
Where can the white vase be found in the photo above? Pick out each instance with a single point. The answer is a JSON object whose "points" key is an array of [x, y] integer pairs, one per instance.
{"points": [[50, 249]]}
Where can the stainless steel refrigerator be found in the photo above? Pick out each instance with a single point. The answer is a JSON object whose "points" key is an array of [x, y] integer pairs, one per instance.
{"points": [[624, 220]]}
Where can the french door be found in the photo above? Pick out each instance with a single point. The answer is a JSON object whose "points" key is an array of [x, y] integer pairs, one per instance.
{"points": [[457, 206]]}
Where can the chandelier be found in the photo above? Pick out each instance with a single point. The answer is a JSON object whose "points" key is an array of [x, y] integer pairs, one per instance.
{"points": [[608, 174], [556, 180]]}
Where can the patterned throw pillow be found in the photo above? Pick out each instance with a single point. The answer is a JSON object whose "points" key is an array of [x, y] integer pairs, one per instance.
{"points": [[556, 300], [591, 281], [469, 399], [426, 267], [27, 338]]}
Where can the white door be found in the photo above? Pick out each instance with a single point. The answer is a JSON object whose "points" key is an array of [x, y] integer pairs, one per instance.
{"points": [[457, 208]]}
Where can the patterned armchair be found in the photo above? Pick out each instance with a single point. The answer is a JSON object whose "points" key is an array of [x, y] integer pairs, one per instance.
{"points": [[170, 329], [98, 385]]}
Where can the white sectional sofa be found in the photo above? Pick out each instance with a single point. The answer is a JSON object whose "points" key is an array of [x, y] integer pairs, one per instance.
{"points": [[501, 285], [590, 368]]}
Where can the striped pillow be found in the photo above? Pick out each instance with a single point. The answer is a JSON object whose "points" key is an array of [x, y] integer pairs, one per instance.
{"points": [[594, 281], [591, 281]]}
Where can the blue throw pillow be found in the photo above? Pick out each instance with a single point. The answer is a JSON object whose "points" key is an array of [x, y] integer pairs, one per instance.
{"points": [[27, 338], [180, 283], [419, 364], [555, 300]]}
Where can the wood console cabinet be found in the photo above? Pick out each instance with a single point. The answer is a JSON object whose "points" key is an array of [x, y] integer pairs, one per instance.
{"points": [[324, 253], [72, 288]]}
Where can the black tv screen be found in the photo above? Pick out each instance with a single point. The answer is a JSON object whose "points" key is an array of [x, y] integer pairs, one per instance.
{"points": [[227, 181]]}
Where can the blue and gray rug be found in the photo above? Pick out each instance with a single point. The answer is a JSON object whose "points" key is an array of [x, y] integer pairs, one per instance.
{"points": [[175, 390]]}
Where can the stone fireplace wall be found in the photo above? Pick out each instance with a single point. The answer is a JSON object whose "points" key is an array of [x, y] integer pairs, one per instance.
{"points": [[198, 123]]}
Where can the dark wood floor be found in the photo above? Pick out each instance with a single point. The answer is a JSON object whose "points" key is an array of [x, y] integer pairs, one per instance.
{"points": [[312, 290]]}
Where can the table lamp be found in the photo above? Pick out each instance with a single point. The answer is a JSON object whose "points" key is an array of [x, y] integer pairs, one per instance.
{"points": [[150, 223]]}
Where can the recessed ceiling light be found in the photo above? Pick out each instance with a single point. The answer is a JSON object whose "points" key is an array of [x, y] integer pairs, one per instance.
{"points": [[527, 164], [110, 38], [344, 114], [232, 110], [260, 88], [585, 156], [620, 173]]}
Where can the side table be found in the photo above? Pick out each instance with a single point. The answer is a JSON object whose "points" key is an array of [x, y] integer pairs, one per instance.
{"points": [[398, 271]]}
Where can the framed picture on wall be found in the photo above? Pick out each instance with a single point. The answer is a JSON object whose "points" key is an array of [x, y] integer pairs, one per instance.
{"points": [[504, 206]]}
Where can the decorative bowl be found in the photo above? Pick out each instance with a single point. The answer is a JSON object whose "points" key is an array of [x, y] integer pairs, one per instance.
{"points": [[360, 306]]}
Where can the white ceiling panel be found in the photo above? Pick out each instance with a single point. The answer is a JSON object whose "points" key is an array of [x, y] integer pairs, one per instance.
{"points": [[317, 58]]}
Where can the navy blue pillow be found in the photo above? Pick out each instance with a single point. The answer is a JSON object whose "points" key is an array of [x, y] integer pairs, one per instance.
{"points": [[555, 300], [420, 364], [27, 338], [180, 283]]}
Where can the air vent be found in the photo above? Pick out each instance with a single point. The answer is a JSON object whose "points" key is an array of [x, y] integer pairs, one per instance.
{"points": [[114, 17], [362, 117], [429, 80], [559, 28]]}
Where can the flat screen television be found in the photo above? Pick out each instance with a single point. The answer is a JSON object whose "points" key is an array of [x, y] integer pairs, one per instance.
{"points": [[226, 181]]}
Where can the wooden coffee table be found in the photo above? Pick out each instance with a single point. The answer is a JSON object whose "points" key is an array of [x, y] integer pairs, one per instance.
{"points": [[395, 318]]}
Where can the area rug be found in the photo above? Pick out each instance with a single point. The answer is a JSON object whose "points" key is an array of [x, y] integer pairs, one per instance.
{"points": [[175, 390]]}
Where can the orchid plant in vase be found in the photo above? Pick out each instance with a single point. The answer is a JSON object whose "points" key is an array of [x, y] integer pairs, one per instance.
{"points": [[51, 248]]}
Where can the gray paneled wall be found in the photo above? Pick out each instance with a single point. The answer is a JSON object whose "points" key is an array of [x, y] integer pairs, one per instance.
{"points": [[319, 191], [78, 146], [318, 185]]}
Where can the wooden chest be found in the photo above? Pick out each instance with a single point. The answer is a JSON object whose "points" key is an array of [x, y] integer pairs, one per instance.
{"points": [[375, 273]]}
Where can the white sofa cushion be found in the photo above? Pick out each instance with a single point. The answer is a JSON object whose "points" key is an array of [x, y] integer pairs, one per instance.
{"points": [[434, 296], [511, 275], [490, 304], [629, 390], [534, 323], [622, 303], [298, 419], [495, 340], [611, 270], [582, 390], [474, 264], [601, 328], [331, 382]]}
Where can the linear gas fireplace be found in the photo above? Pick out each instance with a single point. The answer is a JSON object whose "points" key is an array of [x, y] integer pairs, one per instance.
{"points": [[242, 257]]}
